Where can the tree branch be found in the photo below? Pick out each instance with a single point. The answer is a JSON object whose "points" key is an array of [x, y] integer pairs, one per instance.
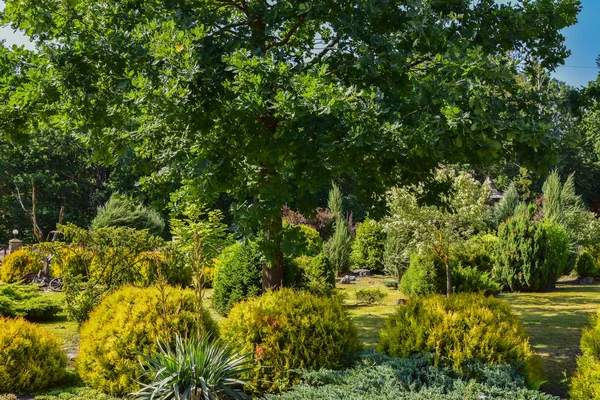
{"points": [[288, 35], [326, 50]]}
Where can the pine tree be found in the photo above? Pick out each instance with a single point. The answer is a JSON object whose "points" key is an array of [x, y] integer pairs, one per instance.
{"points": [[507, 205]]}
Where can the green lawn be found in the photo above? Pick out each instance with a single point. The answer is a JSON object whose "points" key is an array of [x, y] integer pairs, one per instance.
{"points": [[554, 321]]}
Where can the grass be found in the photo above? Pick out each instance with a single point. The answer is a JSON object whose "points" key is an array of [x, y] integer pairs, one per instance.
{"points": [[554, 321], [369, 319], [67, 331]]}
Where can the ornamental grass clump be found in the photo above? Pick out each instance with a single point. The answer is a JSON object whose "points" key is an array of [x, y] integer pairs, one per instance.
{"points": [[193, 369], [287, 330], [458, 329]]}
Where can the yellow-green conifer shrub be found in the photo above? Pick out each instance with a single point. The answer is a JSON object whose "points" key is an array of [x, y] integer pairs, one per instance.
{"points": [[129, 321], [30, 357], [71, 262], [585, 384], [288, 330], [465, 326], [19, 263]]}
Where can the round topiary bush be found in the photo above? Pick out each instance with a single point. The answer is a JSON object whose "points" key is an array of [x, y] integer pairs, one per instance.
{"points": [[368, 246], [314, 274], [19, 263], [585, 384], [587, 265], [425, 275], [30, 357], [288, 330], [130, 321], [238, 275], [464, 327], [300, 240]]}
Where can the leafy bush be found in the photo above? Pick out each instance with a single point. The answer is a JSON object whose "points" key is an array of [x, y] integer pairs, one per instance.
{"points": [[531, 255], [368, 246], [377, 376], [585, 384], [370, 296], [194, 369], [17, 300], [587, 265], [121, 211], [238, 275], [286, 330], [458, 329], [472, 280], [30, 357], [76, 393], [314, 274], [171, 265], [129, 321], [425, 275], [301, 240], [479, 252], [71, 262], [391, 283], [19, 263], [113, 259]]}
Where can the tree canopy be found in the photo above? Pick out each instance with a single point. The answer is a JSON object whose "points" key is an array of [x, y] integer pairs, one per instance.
{"points": [[268, 101]]}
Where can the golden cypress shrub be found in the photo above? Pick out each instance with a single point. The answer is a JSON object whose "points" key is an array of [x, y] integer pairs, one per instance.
{"points": [[288, 330], [585, 384], [30, 357], [129, 321], [19, 263], [72, 262], [464, 327]]}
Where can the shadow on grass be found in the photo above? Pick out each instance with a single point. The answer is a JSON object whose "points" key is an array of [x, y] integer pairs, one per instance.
{"points": [[369, 325], [554, 321]]}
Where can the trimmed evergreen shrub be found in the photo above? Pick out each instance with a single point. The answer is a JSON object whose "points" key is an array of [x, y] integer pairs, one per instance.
{"points": [[368, 246], [585, 384], [238, 275], [301, 240], [376, 376], [19, 263], [314, 274], [425, 275], [286, 330], [30, 357], [121, 211], [17, 300], [456, 330], [531, 255], [130, 321], [370, 296], [587, 265]]}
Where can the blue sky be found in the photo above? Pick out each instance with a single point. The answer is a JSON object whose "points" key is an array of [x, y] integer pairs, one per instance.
{"points": [[583, 39]]}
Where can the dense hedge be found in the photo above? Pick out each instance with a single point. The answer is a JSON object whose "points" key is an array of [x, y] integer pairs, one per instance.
{"points": [[368, 246], [30, 357], [379, 377], [18, 300], [585, 384], [238, 275], [130, 321], [531, 255], [466, 326], [19, 263], [286, 330]]}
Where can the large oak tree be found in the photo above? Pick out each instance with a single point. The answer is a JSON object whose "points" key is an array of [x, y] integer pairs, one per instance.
{"points": [[267, 100]]}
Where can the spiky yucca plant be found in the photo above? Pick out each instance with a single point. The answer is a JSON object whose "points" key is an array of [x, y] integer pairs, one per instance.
{"points": [[195, 369]]}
